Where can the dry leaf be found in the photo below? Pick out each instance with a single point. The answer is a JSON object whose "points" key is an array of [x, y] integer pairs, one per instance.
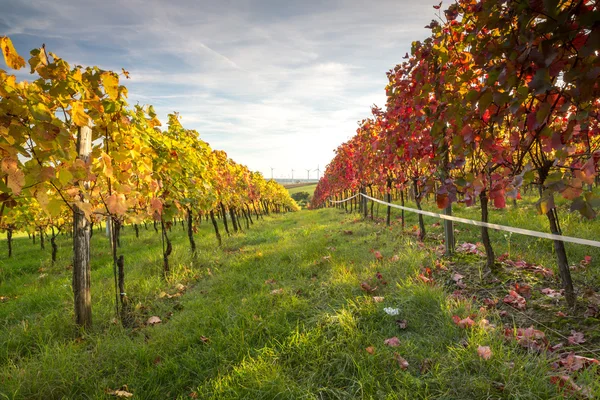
{"points": [[484, 352], [576, 338], [402, 324], [153, 320], [401, 361], [370, 350], [122, 393], [392, 342]]}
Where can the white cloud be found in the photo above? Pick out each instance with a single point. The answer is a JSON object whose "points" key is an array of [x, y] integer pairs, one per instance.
{"points": [[274, 84]]}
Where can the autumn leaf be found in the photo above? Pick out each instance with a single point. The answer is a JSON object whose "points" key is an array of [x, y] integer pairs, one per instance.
{"points": [[116, 204], [121, 393], [573, 362], [392, 342], [156, 205], [523, 290], [402, 363], [463, 323], [377, 255], [276, 291], [576, 337], [401, 323], [370, 350], [555, 294], [110, 81], [11, 57], [484, 352], [367, 288], [80, 118], [153, 320], [515, 300], [378, 299]]}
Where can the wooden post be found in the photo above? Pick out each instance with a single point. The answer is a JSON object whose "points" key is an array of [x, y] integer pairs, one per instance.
{"points": [[81, 243]]}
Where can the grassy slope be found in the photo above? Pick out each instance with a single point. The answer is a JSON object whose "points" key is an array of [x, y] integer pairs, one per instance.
{"points": [[306, 188], [306, 341]]}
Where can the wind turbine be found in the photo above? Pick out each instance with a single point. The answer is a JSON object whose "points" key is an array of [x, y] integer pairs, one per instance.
{"points": [[308, 174], [292, 175], [318, 171], [272, 172]]}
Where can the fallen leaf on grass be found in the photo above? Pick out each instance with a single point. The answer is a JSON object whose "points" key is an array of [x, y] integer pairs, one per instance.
{"points": [[576, 338], [395, 258], [469, 248], [392, 342], [457, 277], [592, 311], [523, 290], [485, 324], [573, 362], [380, 278], [402, 363], [204, 339], [555, 294], [122, 393], [516, 300], [270, 282], [378, 299], [586, 260], [153, 320], [489, 303], [484, 352], [370, 350], [402, 324], [425, 279], [277, 291], [378, 255], [367, 288], [528, 338], [566, 382], [463, 323], [560, 314], [348, 232]]}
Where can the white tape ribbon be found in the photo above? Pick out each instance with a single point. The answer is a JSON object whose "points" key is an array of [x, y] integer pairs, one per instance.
{"points": [[497, 227], [342, 201]]}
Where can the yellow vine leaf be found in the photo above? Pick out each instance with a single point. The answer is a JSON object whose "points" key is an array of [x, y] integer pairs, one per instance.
{"points": [[42, 198], [54, 207], [16, 177], [38, 59], [12, 58], [107, 168], [116, 204], [111, 84], [80, 118]]}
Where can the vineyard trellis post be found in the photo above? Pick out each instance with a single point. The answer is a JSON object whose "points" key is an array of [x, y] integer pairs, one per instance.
{"points": [[81, 243]]}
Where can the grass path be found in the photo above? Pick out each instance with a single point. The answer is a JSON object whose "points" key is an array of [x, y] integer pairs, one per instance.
{"points": [[278, 313]]}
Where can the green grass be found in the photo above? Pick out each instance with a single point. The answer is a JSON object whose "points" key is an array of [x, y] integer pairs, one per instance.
{"points": [[524, 215], [284, 313], [310, 188]]}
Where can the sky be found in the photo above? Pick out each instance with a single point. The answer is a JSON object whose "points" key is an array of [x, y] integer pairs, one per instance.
{"points": [[276, 84]]}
